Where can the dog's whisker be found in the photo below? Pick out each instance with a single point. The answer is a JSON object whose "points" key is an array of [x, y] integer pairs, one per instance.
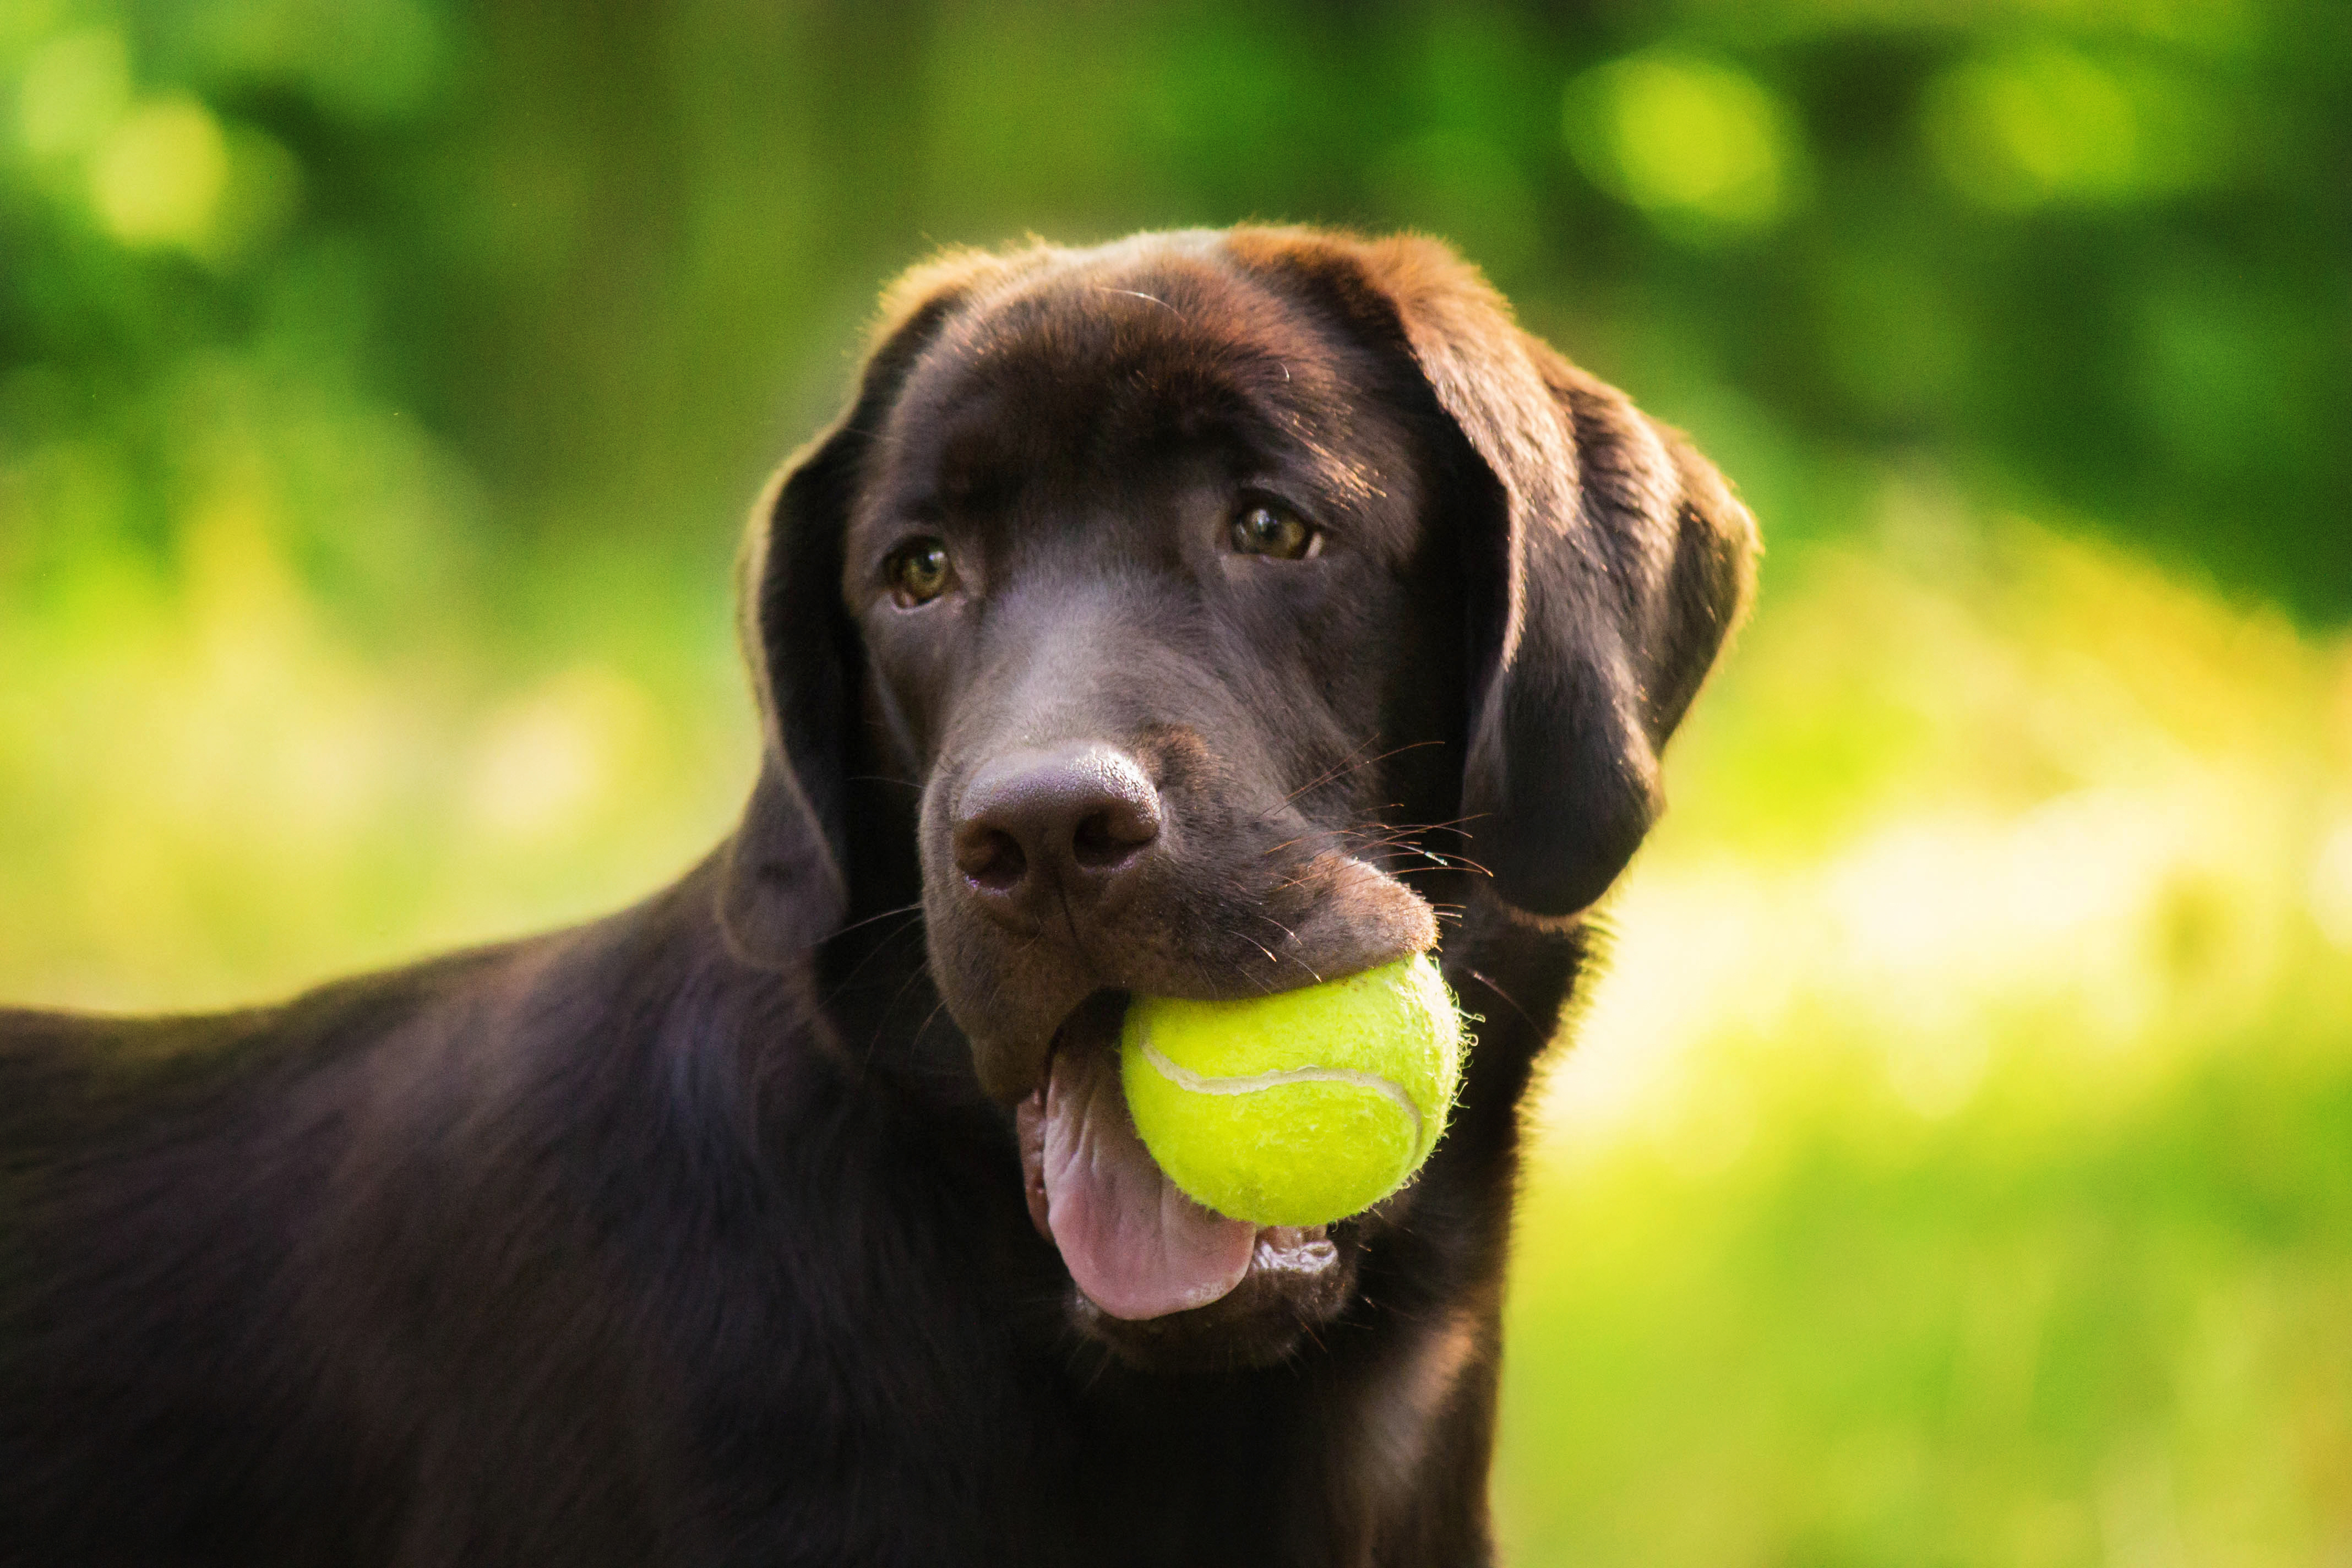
{"points": [[883, 915], [1252, 981], [1452, 825], [1277, 925], [881, 945], [1139, 294], [937, 1008], [914, 972], [1508, 999], [1344, 767]]}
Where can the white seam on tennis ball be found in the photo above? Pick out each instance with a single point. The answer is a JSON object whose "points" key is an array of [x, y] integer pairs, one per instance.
{"points": [[1250, 1083]]}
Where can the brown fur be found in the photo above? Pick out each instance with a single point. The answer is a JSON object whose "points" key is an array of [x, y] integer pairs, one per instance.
{"points": [[698, 1234]]}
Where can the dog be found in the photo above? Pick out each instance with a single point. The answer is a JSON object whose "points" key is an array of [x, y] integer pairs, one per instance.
{"points": [[1202, 615]]}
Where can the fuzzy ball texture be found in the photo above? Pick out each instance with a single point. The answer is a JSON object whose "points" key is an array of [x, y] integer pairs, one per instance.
{"points": [[1299, 1108]]}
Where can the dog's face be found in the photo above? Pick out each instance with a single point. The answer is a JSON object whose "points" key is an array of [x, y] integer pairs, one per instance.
{"points": [[1236, 604]]}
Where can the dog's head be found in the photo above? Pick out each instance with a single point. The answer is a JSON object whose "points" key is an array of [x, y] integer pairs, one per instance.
{"points": [[1224, 609]]}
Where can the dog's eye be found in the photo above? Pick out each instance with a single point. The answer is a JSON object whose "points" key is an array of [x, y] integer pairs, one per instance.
{"points": [[1262, 530], [920, 571]]}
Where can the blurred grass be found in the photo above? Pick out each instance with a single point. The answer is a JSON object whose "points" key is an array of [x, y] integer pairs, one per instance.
{"points": [[1954, 1166], [2016, 1334], [213, 793]]}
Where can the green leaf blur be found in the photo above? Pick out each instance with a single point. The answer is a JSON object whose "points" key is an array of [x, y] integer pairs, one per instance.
{"points": [[1957, 1167]]}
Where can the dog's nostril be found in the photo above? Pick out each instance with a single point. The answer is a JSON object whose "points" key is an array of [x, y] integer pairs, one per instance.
{"points": [[990, 858], [1074, 820], [1106, 838]]}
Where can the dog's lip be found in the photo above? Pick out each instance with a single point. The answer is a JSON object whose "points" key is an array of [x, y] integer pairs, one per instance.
{"points": [[1301, 1250]]}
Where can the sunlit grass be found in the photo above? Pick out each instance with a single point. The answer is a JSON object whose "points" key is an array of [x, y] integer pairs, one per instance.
{"points": [[214, 796], [2068, 1323]]}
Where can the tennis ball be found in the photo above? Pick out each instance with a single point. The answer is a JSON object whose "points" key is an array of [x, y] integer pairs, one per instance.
{"points": [[1298, 1108]]}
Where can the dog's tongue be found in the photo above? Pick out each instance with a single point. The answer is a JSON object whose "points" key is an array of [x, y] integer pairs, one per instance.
{"points": [[1137, 1246]]}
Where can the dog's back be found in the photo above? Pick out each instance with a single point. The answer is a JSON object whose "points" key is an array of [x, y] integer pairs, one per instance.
{"points": [[170, 1195]]}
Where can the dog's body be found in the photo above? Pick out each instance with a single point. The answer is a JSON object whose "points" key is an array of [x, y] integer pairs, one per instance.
{"points": [[1152, 615]]}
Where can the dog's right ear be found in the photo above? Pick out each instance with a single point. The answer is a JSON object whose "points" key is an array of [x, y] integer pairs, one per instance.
{"points": [[785, 875]]}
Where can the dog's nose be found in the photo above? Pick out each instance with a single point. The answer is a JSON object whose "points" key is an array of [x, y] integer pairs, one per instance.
{"points": [[1077, 821]]}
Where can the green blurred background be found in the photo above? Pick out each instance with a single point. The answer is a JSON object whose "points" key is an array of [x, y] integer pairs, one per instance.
{"points": [[1957, 1167]]}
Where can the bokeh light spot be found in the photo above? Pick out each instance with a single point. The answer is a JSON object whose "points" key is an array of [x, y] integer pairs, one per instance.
{"points": [[2046, 123], [547, 763], [159, 177], [1690, 141]]}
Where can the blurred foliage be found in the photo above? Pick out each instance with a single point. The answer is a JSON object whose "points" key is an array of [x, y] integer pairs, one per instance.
{"points": [[1954, 1167], [452, 283]]}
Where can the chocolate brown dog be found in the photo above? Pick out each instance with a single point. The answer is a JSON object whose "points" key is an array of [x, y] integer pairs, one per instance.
{"points": [[1204, 614]]}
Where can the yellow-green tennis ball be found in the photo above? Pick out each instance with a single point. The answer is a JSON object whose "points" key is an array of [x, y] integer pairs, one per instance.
{"points": [[1298, 1108]]}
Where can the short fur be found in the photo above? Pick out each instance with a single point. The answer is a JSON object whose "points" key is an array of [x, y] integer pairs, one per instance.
{"points": [[697, 1234]]}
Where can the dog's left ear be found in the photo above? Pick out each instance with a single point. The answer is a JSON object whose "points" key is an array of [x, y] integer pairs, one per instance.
{"points": [[785, 875], [1606, 562]]}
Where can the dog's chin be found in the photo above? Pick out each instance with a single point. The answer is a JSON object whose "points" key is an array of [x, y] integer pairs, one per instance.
{"points": [[1162, 1283]]}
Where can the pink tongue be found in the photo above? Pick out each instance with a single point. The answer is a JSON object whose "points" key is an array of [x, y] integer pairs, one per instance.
{"points": [[1137, 1246]]}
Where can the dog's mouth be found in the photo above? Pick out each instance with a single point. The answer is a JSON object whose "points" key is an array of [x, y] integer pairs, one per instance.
{"points": [[1137, 1246]]}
